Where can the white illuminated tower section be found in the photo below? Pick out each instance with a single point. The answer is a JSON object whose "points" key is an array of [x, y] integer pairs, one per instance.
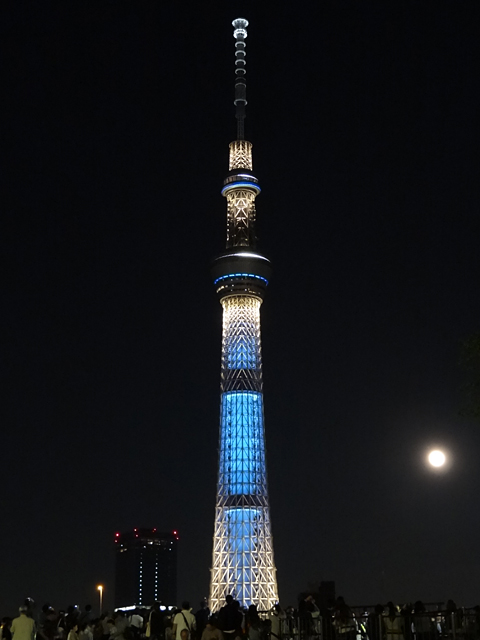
{"points": [[243, 563]]}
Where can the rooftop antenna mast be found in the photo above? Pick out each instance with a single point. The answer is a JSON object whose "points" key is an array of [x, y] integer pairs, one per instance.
{"points": [[240, 34]]}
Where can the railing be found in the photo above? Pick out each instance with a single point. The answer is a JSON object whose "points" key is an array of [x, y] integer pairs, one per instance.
{"points": [[459, 625]]}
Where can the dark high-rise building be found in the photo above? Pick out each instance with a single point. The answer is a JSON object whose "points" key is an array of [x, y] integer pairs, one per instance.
{"points": [[145, 567]]}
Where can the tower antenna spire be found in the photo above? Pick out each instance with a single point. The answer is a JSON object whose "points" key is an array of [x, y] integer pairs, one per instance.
{"points": [[240, 34]]}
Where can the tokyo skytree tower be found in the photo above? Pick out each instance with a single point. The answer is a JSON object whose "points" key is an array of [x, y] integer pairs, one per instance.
{"points": [[242, 563]]}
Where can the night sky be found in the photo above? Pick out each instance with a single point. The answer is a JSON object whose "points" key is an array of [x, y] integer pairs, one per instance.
{"points": [[116, 122]]}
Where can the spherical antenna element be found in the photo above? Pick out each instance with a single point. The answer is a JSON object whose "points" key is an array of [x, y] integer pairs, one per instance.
{"points": [[240, 23]]}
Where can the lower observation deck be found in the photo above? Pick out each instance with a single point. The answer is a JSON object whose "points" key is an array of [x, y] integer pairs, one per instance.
{"points": [[240, 270]]}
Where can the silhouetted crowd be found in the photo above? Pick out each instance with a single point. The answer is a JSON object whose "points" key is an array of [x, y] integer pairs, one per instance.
{"points": [[334, 621], [337, 621]]}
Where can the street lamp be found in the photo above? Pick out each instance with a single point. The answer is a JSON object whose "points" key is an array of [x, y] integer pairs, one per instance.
{"points": [[100, 593]]}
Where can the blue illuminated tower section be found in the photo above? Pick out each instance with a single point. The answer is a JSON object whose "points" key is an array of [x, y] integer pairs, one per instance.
{"points": [[243, 563]]}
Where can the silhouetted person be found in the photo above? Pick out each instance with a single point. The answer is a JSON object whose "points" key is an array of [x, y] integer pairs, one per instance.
{"points": [[156, 622], [421, 622], [306, 609], [229, 619], [73, 633], [394, 623], [406, 613], [87, 616], [23, 627], [201, 618], [122, 624], [375, 627], [453, 618], [277, 617], [136, 624], [112, 629], [71, 619], [344, 621], [184, 620], [31, 611], [104, 624], [85, 631], [253, 625], [5, 631], [211, 631], [50, 624]]}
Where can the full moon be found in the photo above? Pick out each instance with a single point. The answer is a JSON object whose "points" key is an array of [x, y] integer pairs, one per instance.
{"points": [[436, 458]]}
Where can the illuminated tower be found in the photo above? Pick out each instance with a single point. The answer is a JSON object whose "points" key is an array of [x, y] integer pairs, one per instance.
{"points": [[243, 563]]}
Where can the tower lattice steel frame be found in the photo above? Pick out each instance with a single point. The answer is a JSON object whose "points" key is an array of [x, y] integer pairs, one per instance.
{"points": [[243, 563]]}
